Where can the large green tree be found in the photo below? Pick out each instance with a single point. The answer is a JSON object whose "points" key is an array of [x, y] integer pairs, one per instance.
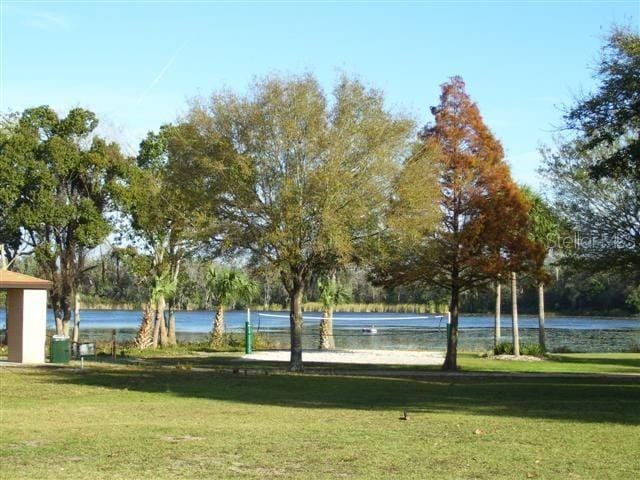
{"points": [[603, 215], [61, 180], [12, 181], [170, 204], [607, 121], [595, 171], [314, 174]]}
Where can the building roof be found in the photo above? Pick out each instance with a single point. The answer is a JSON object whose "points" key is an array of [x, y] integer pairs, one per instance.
{"points": [[10, 280]]}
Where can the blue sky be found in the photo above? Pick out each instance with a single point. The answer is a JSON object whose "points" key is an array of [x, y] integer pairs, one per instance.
{"points": [[137, 63]]}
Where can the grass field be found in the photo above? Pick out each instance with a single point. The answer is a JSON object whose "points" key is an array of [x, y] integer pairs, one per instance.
{"points": [[194, 418]]}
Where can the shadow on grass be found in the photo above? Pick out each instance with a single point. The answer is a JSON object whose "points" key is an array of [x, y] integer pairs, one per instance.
{"points": [[217, 359], [586, 359], [583, 400]]}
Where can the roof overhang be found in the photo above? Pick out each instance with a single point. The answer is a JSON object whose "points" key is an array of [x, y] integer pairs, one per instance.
{"points": [[14, 280]]}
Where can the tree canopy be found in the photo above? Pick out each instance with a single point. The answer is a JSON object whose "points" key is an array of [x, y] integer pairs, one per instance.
{"points": [[61, 180], [594, 169], [313, 175], [607, 122]]}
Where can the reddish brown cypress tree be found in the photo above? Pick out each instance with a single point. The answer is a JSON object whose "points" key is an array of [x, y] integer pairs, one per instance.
{"points": [[484, 216]]}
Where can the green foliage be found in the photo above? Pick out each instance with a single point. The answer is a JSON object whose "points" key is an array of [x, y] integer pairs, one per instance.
{"points": [[332, 292], [607, 122], [227, 286], [545, 224], [235, 342], [12, 182], [115, 278], [544, 230], [170, 212], [532, 349], [595, 172], [61, 180], [163, 286], [313, 174], [310, 178], [503, 349], [633, 299], [602, 215]]}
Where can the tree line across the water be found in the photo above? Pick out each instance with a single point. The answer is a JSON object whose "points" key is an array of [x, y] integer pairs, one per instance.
{"points": [[112, 282], [308, 195]]}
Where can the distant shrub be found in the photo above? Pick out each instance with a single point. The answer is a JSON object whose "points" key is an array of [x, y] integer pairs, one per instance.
{"points": [[421, 308], [503, 349], [532, 349], [234, 342]]}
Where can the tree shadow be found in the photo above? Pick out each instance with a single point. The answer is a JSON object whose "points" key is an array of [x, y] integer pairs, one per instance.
{"points": [[631, 361], [607, 400]]}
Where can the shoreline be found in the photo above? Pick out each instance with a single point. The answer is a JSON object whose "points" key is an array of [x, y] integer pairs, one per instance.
{"points": [[605, 316]]}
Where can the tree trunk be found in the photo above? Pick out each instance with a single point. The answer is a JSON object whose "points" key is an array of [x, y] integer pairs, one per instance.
{"points": [[171, 340], [451, 359], [59, 330], [295, 316], [164, 339], [541, 333], [217, 332], [497, 333], [66, 320], [156, 329], [171, 336], [5, 340], [3, 259], [327, 341], [514, 314], [144, 338], [76, 323]]}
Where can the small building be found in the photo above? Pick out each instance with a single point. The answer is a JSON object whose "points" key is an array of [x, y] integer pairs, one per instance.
{"points": [[26, 316]]}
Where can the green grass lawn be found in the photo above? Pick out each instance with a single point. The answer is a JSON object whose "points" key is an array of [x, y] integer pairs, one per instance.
{"points": [[147, 421]]}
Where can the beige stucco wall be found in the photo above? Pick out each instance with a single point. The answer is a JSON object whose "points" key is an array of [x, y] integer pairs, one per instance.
{"points": [[26, 325]]}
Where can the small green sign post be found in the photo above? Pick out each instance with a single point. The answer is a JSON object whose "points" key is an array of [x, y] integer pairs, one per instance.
{"points": [[248, 334]]}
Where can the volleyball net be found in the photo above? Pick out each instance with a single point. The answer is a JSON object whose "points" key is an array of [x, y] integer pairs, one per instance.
{"points": [[352, 332]]}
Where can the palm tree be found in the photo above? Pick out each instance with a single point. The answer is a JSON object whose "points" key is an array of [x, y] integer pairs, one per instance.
{"points": [[514, 314], [498, 313], [164, 286], [144, 338], [225, 287], [545, 227], [332, 293]]}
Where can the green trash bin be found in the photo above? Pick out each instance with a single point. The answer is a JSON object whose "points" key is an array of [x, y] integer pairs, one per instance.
{"points": [[60, 349]]}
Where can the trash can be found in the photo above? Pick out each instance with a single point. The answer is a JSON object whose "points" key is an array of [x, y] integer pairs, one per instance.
{"points": [[60, 349]]}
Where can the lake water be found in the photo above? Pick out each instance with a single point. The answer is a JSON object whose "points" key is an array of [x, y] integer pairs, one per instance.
{"points": [[580, 334]]}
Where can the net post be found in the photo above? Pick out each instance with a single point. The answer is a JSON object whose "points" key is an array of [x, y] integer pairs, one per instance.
{"points": [[248, 334], [448, 328]]}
